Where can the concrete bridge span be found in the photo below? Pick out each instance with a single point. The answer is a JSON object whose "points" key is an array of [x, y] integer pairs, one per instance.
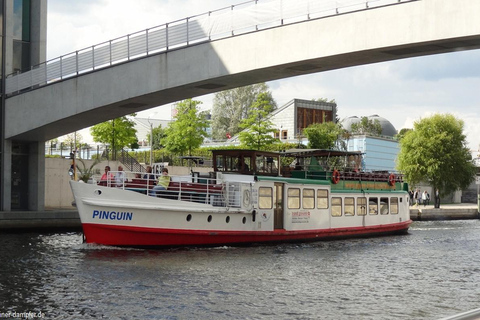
{"points": [[402, 30]]}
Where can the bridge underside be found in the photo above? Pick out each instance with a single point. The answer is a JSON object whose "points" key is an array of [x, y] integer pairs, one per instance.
{"points": [[388, 33]]}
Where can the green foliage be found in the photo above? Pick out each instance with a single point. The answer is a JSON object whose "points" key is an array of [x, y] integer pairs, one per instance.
{"points": [[159, 133], [435, 152], [231, 106], [368, 127], [402, 133], [118, 133], [323, 135], [257, 128], [85, 172], [187, 132]]}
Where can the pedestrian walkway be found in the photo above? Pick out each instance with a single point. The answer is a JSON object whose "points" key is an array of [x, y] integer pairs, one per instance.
{"points": [[453, 211]]}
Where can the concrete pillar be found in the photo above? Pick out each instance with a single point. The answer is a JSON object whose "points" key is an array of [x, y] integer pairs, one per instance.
{"points": [[7, 176], [36, 179]]}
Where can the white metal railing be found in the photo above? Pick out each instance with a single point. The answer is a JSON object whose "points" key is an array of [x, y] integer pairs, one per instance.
{"points": [[183, 188], [246, 17]]}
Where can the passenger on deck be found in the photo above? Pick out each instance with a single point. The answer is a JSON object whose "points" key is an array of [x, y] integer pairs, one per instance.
{"points": [[162, 183], [107, 175], [149, 175], [120, 177]]}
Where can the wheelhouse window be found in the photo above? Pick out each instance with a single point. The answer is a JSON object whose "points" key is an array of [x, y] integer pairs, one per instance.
{"points": [[308, 198], [383, 205], [361, 206], [265, 198], [336, 207], [394, 205], [322, 199], [293, 198], [373, 205], [349, 206]]}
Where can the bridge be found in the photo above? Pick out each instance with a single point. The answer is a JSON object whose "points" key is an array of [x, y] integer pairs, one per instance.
{"points": [[256, 41], [250, 43]]}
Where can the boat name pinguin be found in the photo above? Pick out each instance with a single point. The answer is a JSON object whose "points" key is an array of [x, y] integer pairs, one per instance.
{"points": [[112, 215]]}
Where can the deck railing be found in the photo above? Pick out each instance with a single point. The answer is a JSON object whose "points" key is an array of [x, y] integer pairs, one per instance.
{"points": [[251, 16], [184, 188]]}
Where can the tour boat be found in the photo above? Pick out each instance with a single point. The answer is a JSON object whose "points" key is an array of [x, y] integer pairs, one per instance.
{"points": [[250, 197]]}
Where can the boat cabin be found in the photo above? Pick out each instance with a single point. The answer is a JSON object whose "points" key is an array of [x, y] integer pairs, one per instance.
{"points": [[246, 162]]}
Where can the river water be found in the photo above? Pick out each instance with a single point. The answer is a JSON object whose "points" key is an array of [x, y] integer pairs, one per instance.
{"points": [[432, 272]]}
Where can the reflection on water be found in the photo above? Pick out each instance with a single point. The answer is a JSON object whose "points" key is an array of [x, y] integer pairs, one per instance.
{"points": [[432, 272]]}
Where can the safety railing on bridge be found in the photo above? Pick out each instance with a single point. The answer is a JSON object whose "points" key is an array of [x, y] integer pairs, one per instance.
{"points": [[251, 16]]}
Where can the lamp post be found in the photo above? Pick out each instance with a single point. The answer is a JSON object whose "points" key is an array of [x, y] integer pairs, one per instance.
{"points": [[151, 137]]}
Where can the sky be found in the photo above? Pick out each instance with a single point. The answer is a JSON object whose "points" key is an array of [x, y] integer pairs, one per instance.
{"points": [[401, 91]]}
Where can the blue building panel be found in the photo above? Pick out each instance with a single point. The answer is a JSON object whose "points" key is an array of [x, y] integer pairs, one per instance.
{"points": [[380, 153]]}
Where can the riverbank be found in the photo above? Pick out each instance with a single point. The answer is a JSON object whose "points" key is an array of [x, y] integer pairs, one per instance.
{"points": [[455, 211]]}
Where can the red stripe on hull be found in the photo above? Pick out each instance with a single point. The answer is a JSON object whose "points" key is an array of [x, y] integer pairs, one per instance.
{"points": [[146, 237]]}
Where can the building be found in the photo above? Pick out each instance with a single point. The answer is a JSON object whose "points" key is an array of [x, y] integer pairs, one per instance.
{"points": [[303, 113], [144, 126], [24, 43], [293, 117], [380, 153]]}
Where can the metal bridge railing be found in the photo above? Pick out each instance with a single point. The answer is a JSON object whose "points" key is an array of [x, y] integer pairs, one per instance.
{"points": [[251, 16]]}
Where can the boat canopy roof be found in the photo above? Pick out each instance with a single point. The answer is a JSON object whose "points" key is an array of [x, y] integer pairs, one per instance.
{"points": [[307, 153]]}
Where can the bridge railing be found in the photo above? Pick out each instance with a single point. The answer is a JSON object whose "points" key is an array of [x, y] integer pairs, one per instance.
{"points": [[251, 16]]}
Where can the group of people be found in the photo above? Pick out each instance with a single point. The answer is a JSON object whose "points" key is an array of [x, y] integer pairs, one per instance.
{"points": [[419, 197], [120, 178]]}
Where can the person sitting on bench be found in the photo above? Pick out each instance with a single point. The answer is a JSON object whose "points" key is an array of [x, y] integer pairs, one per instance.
{"points": [[162, 183]]}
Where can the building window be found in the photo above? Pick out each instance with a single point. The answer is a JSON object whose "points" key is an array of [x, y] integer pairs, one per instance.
{"points": [[284, 134], [277, 135]]}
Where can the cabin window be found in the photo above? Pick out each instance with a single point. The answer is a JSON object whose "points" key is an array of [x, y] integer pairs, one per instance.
{"points": [[322, 199], [383, 205], [293, 198], [394, 205], [349, 206], [336, 207], [373, 205], [265, 198], [361, 206], [308, 198]]}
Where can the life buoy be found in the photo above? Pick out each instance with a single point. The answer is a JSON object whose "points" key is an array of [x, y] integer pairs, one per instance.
{"points": [[335, 176], [391, 179]]}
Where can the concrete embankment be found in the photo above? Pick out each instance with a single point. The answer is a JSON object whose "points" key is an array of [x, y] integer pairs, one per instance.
{"points": [[458, 211], [67, 219]]}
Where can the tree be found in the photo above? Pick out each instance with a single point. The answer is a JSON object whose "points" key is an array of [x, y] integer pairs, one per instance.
{"points": [[323, 135], [231, 106], [366, 126], [258, 129], [158, 134], [188, 130], [402, 133], [118, 133], [435, 152]]}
